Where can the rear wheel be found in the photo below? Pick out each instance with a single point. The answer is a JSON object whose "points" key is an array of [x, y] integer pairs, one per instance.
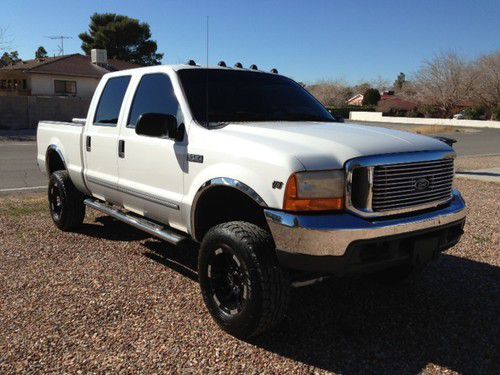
{"points": [[65, 202], [243, 287]]}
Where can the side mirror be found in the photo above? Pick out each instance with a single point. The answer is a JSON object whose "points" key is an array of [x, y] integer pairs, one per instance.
{"points": [[158, 125]]}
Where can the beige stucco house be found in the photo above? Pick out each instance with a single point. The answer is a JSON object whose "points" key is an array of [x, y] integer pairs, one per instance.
{"points": [[70, 75]]}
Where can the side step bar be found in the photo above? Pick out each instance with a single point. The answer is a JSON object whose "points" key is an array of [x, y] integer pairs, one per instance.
{"points": [[137, 222]]}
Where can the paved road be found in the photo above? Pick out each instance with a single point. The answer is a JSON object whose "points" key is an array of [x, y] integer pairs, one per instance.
{"points": [[19, 172], [470, 141], [18, 169]]}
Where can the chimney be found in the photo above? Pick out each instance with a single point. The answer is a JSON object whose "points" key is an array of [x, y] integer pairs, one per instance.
{"points": [[99, 57]]}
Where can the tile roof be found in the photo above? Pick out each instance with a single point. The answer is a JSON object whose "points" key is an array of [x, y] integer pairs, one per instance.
{"points": [[72, 65], [395, 103]]}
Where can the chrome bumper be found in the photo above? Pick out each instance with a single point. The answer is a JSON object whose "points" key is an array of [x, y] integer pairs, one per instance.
{"points": [[322, 235]]}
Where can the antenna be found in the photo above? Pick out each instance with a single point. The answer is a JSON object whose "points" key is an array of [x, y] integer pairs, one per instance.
{"points": [[61, 38], [206, 84], [207, 40]]}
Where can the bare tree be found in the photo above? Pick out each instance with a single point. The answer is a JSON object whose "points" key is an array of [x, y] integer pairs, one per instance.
{"points": [[381, 84], [331, 93], [487, 82], [445, 81]]}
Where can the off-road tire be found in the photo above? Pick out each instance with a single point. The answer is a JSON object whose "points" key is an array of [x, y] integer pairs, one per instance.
{"points": [[268, 289], [70, 212]]}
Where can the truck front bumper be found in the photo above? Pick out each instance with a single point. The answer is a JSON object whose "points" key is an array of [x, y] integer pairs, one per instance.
{"points": [[343, 242]]}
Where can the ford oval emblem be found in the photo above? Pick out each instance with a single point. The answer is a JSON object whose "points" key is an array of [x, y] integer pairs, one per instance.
{"points": [[422, 184]]}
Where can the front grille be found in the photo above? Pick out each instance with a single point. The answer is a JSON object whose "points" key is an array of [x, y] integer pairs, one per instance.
{"points": [[405, 185]]}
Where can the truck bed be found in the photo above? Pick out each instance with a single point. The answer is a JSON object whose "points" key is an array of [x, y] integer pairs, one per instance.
{"points": [[66, 139]]}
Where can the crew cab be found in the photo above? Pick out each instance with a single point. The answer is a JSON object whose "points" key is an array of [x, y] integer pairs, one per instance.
{"points": [[251, 166]]}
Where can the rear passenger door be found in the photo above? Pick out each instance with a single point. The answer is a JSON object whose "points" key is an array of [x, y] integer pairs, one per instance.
{"points": [[151, 169], [100, 143]]}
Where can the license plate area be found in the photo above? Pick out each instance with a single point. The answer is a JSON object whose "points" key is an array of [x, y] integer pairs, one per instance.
{"points": [[424, 250]]}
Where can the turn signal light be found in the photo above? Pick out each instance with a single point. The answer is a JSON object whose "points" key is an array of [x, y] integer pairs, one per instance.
{"points": [[294, 202]]}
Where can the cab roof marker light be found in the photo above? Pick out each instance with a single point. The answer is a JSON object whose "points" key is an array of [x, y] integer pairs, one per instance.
{"points": [[222, 63], [191, 62], [274, 70], [254, 67], [238, 65]]}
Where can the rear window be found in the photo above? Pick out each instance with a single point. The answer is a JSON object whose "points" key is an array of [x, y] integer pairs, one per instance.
{"points": [[111, 100]]}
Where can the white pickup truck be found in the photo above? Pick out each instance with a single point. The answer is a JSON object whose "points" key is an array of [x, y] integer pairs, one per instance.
{"points": [[251, 166]]}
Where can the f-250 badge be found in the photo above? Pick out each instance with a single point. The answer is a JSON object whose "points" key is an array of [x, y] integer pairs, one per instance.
{"points": [[195, 158]]}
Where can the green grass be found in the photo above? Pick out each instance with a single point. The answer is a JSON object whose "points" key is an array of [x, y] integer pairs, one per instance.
{"points": [[19, 208]]}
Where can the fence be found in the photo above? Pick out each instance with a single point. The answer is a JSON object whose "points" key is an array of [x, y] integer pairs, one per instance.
{"points": [[377, 117], [22, 112]]}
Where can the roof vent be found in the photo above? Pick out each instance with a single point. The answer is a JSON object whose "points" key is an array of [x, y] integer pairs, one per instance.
{"points": [[274, 70], [222, 63], [238, 65], [99, 56], [191, 62], [254, 67]]}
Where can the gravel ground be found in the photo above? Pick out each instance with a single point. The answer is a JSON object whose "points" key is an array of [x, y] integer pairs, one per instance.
{"points": [[111, 299], [468, 163]]}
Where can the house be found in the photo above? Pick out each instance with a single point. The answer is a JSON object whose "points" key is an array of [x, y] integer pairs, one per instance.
{"points": [[356, 100], [393, 103], [70, 75]]}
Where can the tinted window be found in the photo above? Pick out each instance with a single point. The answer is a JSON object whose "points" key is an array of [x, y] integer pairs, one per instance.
{"points": [[111, 100], [237, 96], [154, 94]]}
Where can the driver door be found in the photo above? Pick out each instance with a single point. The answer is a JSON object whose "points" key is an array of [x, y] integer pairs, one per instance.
{"points": [[151, 168]]}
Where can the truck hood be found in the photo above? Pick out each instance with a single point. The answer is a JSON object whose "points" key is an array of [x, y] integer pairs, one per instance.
{"points": [[329, 145]]}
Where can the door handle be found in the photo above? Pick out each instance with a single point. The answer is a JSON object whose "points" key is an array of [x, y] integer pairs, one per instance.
{"points": [[121, 148], [88, 143]]}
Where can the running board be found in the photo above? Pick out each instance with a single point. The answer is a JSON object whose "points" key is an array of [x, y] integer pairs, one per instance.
{"points": [[137, 222]]}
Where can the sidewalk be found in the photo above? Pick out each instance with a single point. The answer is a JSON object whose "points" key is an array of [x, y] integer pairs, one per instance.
{"points": [[489, 174]]}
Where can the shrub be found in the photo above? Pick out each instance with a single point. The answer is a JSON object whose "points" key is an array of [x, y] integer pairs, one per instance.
{"points": [[371, 97], [414, 113], [495, 115], [430, 111], [395, 112], [344, 111], [474, 113]]}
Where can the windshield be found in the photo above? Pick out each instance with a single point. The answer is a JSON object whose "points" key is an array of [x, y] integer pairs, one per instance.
{"points": [[239, 96]]}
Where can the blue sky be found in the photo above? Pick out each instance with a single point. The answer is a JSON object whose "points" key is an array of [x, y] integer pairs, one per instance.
{"points": [[306, 40]]}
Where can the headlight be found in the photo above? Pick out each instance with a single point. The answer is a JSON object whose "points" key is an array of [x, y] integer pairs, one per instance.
{"points": [[315, 191]]}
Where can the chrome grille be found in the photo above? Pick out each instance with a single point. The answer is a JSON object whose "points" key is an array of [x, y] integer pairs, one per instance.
{"points": [[406, 185]]}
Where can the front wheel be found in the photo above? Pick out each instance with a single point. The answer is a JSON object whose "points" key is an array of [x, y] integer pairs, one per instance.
{"points": [[243, 287], [65, 202]]}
